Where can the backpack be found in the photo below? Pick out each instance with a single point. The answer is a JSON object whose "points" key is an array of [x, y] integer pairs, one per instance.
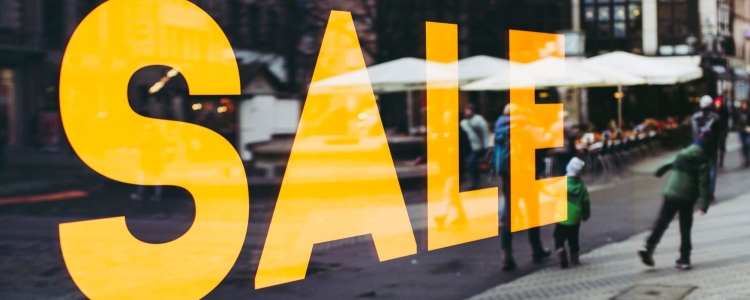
{"points": [[502, 145]]}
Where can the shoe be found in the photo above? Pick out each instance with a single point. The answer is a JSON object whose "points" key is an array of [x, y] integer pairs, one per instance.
{"points": [[136, 197], [574, 259], [647, 256], [683, 264], [540, 255], [563, 255], [155, 198], [509, 264]]}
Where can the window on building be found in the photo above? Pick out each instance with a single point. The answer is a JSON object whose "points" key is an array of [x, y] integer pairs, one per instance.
{"points": [[723, 18], [52, 24], [675, 22], [588, 14], [10, 15], [612, 24]]}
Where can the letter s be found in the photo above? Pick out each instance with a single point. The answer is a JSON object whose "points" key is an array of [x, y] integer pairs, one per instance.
{"points": [[115, 40]]}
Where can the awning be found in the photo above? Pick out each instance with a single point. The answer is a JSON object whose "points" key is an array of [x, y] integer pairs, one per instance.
{"points": [[404, 74], [480, 67], [655, 70], [546, 73]]}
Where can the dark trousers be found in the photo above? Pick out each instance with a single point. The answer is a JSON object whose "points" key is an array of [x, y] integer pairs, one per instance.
{"points": [[473, 161], [535, 238], [668, 210], [567, 233]]}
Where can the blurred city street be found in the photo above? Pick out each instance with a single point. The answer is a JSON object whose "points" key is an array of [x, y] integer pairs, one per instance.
{"points": [[622, 208], [132, 134]]}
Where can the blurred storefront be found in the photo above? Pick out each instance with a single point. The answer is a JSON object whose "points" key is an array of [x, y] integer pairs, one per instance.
{"points": [[255, 116]]}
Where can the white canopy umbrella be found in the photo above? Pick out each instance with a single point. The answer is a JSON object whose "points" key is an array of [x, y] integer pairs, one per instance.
{"points": [[655, 70], [577, 74], [401, 75], [613, 77], [480, 67], [545, 73]]}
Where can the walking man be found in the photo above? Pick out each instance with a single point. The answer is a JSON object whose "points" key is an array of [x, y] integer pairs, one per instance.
{"points": [[688, 184], [477, 130], [704, 119], [502, 167]]}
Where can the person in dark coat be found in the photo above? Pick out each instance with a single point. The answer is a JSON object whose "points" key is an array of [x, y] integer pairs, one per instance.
{"points": [[689, 183], [707, 118], [722, 128], [502, 167]]}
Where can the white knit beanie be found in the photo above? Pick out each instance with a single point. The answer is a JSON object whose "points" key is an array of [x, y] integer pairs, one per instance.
{"points": [[706, 101], [574, 167]]}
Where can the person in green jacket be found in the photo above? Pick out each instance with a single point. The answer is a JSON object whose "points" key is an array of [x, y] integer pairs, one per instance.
{"points": [[578, 210], [689, 183]]}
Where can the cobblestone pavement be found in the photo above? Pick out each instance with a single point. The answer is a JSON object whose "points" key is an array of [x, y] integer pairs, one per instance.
{"points": [[721, 265]]}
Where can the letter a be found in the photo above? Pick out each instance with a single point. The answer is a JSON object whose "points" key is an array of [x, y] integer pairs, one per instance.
{"points": [[340, 181]]}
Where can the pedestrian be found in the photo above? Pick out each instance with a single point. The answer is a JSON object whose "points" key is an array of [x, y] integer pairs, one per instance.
{"points": [[156, 152], [688, 183], [477, 130], [502, 168], [704, 119], [578, 211], [722, 130], [564, 154], [742, 121]]}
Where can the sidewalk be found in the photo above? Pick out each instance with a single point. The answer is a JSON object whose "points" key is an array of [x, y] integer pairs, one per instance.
{"points": [[721, 266]]}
